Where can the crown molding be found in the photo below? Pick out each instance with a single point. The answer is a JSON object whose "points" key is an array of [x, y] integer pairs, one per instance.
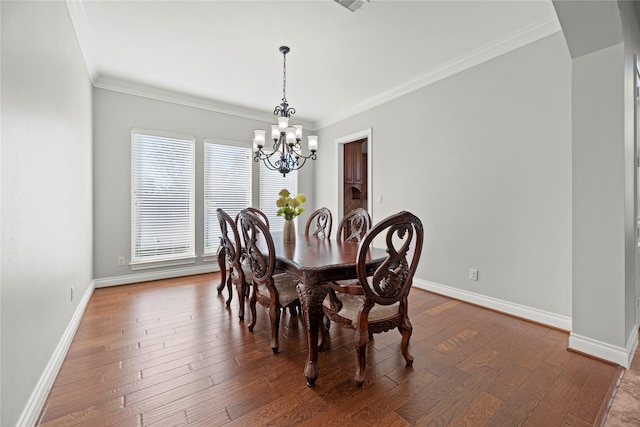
{"points": [[506, 44], [510, 42], [152, 92], [79, 22]]}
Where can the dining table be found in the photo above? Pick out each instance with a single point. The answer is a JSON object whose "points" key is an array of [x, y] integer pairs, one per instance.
{"points": [[316, 262]]}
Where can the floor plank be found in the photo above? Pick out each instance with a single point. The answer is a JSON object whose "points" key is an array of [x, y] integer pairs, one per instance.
{"points": [[170, 353]]}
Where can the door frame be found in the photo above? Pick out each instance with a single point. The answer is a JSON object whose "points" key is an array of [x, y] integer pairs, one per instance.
{"points": [[365, 133], [636, 183]]}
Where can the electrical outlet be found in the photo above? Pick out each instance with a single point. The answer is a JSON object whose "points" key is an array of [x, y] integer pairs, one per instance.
{"points": [[72, 294], [473, 274], [379, 198], [120, 260]]}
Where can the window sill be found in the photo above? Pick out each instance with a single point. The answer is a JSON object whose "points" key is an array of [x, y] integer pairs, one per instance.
{"points": [[142, 265], [210, 258]]}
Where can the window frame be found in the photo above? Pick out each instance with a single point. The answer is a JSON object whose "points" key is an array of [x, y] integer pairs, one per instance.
{"points": [[188, 256], [276, 222], [209, 256]]}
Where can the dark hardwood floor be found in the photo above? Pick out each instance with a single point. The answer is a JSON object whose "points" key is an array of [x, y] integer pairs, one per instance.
{"points": [[169, 353]]}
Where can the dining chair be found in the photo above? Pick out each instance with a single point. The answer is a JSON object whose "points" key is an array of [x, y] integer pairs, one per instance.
{"points": [[221, 255], [322, 220], [229, 258], [382, 304], [261, 215], [276, 291], [352, 228]]}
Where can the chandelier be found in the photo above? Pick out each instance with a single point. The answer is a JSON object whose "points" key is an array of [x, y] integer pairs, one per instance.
{"points": [[287, 151]]}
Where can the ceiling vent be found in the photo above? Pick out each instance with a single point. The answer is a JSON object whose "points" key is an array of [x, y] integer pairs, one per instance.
{"points": [[352, 5]]}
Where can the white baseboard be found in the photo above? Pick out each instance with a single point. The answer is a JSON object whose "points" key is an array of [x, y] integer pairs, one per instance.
{"points": [[39, 395], [34, 406], [620, 355], [155, 275], [529, 313]]}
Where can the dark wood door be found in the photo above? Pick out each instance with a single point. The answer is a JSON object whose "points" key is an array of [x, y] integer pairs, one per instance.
{"points": [[355, 175], [353, 163]]}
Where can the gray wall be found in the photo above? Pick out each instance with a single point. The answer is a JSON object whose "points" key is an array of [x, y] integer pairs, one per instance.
{"points": [[598, 195], [604, 176], [484, 159], [631, 29], [46, 191], [115, 113]]}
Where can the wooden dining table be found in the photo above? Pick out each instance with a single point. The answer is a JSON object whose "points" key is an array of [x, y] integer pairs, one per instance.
{"points": [[316, 262]]}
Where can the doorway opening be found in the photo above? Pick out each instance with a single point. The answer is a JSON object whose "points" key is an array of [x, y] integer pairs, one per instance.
{"points": [[354, 176], [636, 94], [354, 160]]}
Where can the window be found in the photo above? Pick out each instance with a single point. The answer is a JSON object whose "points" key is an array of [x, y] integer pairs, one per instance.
{"points": [[271, 182], [227, 185], [162, 199]]}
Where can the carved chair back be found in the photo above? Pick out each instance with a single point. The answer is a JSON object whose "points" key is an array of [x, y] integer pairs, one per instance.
{"points": [[259, 214], [391, 281], [262, 265], [354, 226], [322, 220], [229, 239]]}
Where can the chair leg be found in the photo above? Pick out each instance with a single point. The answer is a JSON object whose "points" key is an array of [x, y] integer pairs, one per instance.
{"points": [[406, 329], [229, 286], [223, 270], [252, 307], [274, 315], [240, 288], [361, 341]]}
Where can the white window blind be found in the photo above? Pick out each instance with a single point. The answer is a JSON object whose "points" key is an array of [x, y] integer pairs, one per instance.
{"points": [[162, 197], [271, 182], [227, 185]]}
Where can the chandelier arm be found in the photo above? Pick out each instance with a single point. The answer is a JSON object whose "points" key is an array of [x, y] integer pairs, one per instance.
{"points": [[284, 110], [266, 159]]}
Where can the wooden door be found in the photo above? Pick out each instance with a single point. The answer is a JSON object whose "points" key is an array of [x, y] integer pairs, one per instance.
{"points": [[355, 175]]}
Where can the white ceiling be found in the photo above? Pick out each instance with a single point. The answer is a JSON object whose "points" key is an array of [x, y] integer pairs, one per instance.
{"points": [[224, 54]]}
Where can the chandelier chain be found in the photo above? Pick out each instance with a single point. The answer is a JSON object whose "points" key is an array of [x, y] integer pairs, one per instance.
{"points": [[284, 77]]}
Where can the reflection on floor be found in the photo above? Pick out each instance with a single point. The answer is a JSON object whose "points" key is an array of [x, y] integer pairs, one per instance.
{"points": [[625, 410]]}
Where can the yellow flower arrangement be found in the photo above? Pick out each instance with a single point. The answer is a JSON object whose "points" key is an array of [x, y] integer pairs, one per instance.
{"points": [[290, 207]]}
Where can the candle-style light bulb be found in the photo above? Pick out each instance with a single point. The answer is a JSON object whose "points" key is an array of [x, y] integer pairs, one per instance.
{"points": [[259, 137], [313, 143], [283, 123], [291, 135]]}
